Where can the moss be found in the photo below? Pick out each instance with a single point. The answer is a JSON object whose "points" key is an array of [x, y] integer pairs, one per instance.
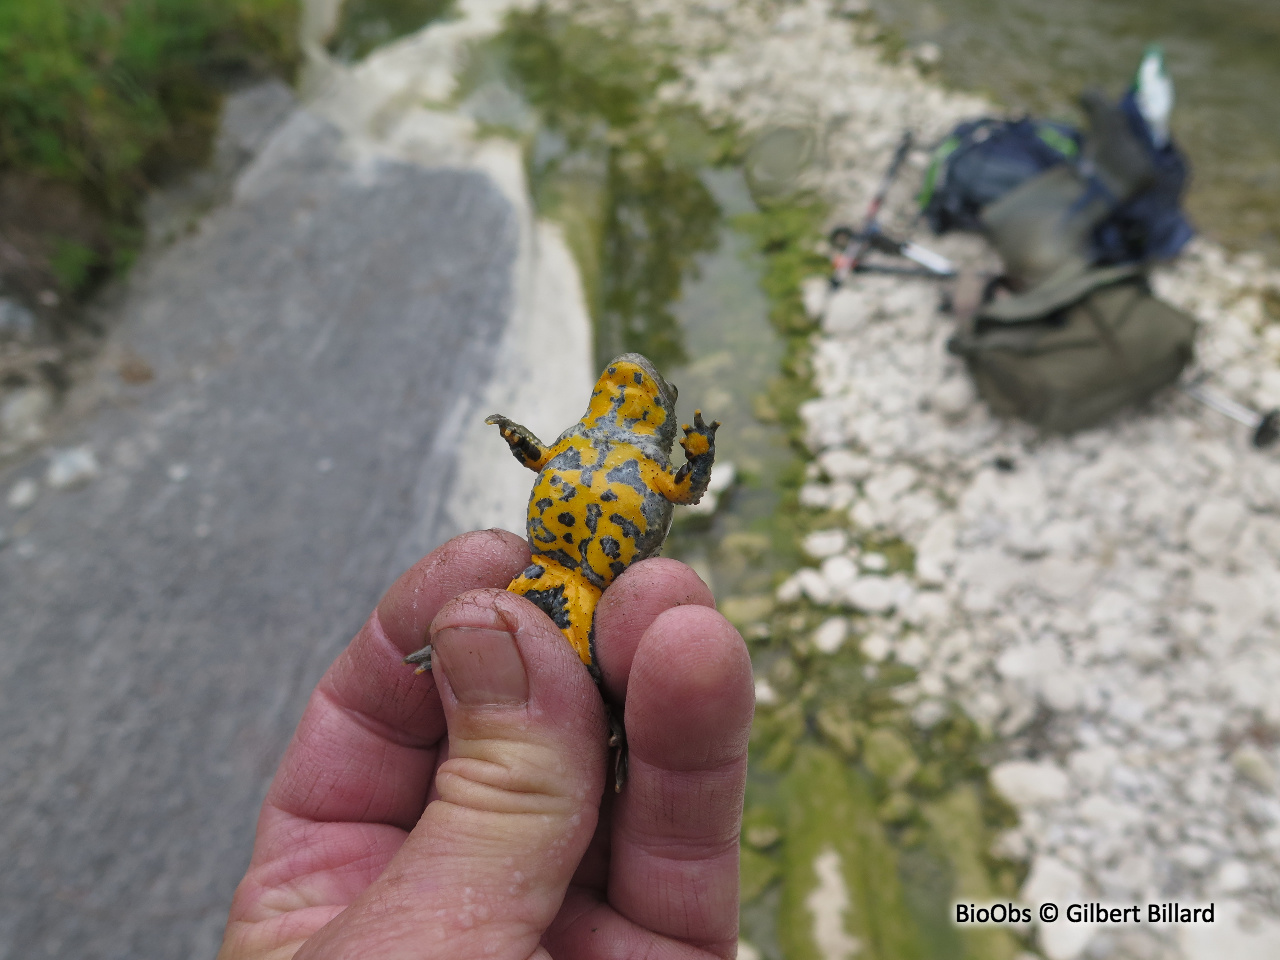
{"points": [[959, 834], [72, 264], [831, 810], [617, 168], [366, 24], [889, 757], [756, 872]]}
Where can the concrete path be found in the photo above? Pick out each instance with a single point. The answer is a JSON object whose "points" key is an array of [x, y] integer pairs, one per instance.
{"points": [[318, 347]]}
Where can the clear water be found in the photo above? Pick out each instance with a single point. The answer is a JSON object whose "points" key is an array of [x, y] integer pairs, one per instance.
{"points": [[724, 324]]}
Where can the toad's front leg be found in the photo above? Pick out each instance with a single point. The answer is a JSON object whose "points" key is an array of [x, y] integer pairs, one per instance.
{"points": [[527, 448], [689, 483]]}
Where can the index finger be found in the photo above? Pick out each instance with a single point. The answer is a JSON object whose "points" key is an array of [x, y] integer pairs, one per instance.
{"points": [[365, 747]]}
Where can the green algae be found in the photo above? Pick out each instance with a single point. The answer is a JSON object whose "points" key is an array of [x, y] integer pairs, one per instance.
{"points": [[832, 812], [616, 167]]}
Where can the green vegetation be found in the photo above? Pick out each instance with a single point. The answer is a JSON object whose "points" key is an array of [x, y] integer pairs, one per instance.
{"points": [[366, 24], [616, 167], [106, 97]]}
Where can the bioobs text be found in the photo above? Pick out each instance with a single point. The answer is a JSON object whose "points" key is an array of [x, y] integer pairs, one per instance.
{"points": [[995, 913]]}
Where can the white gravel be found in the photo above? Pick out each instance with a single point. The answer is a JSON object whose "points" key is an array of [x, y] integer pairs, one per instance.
{"points": [[1107, 607]]}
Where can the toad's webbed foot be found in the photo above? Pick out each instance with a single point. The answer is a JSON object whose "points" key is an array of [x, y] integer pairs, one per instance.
{"points": [[527, 448], [689, 483]]}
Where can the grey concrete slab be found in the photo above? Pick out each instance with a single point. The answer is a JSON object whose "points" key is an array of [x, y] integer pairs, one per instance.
{"points": [[314, 346]]}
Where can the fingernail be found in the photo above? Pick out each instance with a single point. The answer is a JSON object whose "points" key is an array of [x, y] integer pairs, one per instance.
{"points": [[482, 665]]}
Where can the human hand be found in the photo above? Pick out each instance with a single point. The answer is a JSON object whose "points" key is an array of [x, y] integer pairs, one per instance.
{"points": [[463, 813]]}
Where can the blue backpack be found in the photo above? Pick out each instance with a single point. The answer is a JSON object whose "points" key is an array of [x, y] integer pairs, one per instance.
{"points": [[982, 160]]}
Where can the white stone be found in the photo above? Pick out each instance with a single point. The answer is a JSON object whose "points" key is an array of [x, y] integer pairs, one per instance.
{"points": [[1253, 766], [1234, 934], [1026, 784], [765, 694], [843, 465], [847, 312], [812, 584], [1193, 856], [875, 647], [954, 398], [814, 292], [913, 651], [884, 488], [825, 543], [872, 594], [790, 590], [1052, 881], [1101, 810], [1214, 526], [830, 634], [840, 573], [23, 493], [875, 562], [1232, 876], [71, 467]]}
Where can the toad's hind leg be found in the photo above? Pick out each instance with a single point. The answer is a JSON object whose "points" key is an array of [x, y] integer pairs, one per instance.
{"points": [[568, 598]]}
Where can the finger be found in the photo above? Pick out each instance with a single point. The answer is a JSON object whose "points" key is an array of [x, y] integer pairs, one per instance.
{"points": [[364, 752], [629, 607], [674, 867], [364, 749], [485, 870]]}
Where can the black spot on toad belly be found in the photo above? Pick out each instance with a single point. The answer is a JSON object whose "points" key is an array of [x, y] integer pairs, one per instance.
{"points": [[627, 472], [628, 527]]}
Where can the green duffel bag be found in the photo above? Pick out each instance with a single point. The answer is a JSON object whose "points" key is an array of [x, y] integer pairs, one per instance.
{"points": [[1064, 366]]}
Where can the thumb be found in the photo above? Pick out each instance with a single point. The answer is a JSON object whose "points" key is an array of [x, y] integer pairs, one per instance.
{"points": [[514, 806]]}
